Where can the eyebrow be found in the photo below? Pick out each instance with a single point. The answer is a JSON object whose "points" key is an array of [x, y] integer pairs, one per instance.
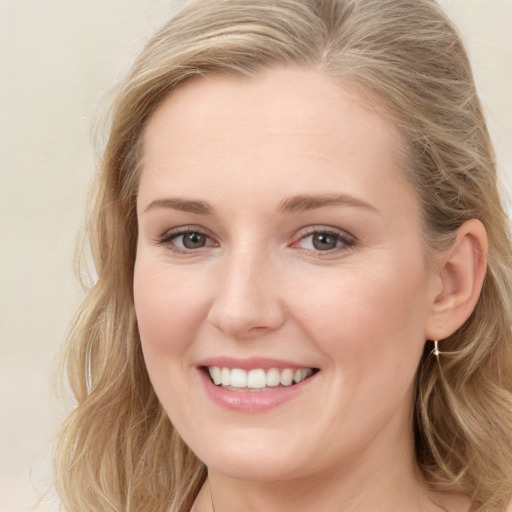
{"points": [[295, 204], [184, 205], [303, 203]]}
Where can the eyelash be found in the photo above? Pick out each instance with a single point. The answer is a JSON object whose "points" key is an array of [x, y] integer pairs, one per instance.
{"points": [[169, 236], [343, 239]]}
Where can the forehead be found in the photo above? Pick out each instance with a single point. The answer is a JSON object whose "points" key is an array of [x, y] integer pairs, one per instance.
{"points": [[286, 127], [276, 100]]}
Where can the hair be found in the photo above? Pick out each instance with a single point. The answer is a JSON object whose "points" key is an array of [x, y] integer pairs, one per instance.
{"points": [[117, 450]]}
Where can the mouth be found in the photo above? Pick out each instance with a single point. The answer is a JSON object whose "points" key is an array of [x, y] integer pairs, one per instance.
{"points": [[257, 379]]}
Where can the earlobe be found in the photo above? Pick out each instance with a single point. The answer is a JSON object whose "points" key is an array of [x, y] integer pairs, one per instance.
{"points": [[461, 272]]}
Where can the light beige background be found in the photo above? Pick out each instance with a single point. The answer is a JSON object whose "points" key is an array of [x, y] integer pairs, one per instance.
{"points": [[57, 60]]}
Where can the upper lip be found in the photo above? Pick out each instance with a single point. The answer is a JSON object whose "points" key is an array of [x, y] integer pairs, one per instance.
{"points": [[251, 363]]}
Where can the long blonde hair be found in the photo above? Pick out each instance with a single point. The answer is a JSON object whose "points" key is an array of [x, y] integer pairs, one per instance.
{"points": [[117, 450]]}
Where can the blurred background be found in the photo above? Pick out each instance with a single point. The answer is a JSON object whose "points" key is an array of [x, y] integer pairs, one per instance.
{"points": [[58, 59]]}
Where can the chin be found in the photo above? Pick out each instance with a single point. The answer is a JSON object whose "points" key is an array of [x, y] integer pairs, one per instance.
{"points": [[250, 460], [261, 471]]}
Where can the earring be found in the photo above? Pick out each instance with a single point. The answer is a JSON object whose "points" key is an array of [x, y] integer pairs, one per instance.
{"points": [[435, 350]]}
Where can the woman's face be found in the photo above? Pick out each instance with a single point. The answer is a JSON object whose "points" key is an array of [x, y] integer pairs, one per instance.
{"points": [[279, 240]]}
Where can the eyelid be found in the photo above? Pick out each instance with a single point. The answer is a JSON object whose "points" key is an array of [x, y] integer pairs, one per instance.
{"points": [[348, 240], [168, 236]]}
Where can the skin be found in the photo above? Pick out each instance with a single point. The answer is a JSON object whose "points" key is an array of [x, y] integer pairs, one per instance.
{"points": [[258, 287]]}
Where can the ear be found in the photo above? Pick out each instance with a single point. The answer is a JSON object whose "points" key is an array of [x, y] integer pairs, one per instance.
{"points": [[460, 275]]}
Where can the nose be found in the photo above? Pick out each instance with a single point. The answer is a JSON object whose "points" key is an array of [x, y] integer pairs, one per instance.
{"points": [[247, 302]]}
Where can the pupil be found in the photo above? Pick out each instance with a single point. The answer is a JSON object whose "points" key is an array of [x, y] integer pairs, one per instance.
{"points": [[324, 242], [194, 240]]}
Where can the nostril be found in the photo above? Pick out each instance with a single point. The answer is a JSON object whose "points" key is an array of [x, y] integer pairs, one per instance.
{"points": [[245, 303], [246, 320]]}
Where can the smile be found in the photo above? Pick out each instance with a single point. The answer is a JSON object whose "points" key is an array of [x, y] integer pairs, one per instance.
{"points": [[258, 379]]}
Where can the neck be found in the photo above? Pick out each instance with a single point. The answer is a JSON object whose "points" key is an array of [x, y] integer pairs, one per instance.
{"points": [[395, 486], [381, 476]]}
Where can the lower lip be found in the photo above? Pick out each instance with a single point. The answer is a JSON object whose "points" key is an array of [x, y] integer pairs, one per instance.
{"points": [[252, 401]]}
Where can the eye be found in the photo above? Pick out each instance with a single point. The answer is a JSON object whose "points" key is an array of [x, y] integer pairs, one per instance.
{"points": [[186, 240], [324, 240], [191, 240]]}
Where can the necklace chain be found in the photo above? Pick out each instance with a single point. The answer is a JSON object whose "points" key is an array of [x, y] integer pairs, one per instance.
{"points": [[211, 497], [213, 508]]}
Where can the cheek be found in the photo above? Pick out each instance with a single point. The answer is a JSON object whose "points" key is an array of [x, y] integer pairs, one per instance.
{"points": [[368, 321], [169, 312]]}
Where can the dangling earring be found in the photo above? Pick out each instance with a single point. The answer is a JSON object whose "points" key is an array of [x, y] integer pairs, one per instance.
{"points": [[435, 350]]}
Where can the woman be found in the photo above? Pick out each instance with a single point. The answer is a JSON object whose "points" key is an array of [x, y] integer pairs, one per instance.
{"points": [[303, 272]]}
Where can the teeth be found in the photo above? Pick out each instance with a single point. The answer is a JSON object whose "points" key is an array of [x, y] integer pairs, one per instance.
{"points": [[238, 378], [273, 377], [257, 378], [287, 377], [226, 377], [215, 374]]}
